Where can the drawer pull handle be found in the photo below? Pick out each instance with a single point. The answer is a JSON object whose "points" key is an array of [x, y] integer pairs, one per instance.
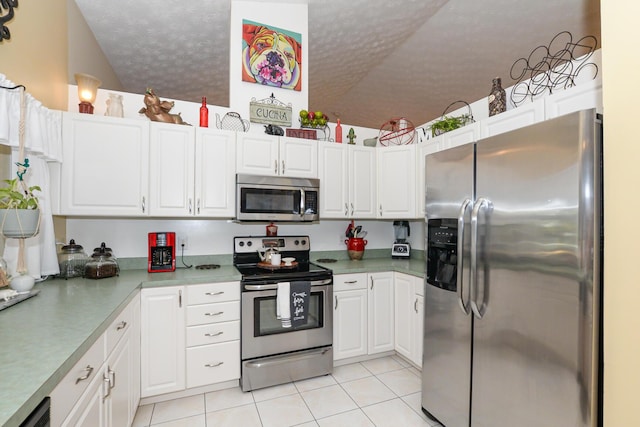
{"points": [[214, 314], [214, 335], [121, 325], [350, 282], [209, 365], [215, 293], [88, 370]]}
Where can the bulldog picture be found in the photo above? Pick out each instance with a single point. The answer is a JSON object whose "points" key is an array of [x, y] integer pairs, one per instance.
{"points": [[271, 56]]}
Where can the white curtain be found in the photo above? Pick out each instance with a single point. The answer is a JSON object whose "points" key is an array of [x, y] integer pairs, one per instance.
{"points": [[43, 144]]}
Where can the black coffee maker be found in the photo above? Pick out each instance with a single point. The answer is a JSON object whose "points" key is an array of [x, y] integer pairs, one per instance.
{"points": [[401, 247]]}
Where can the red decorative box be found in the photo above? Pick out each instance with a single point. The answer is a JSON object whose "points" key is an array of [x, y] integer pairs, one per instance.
{"points": [[302, 133]]}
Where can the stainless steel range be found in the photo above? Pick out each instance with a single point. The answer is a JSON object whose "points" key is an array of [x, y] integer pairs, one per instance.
{"points": [[272, 350]]}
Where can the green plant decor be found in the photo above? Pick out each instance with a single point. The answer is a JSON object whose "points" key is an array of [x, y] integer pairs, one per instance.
{"points": [[447, 124], [14, 197]]}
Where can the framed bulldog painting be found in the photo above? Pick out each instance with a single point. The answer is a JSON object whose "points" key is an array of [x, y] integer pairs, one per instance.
{"points": [[271, 56]]}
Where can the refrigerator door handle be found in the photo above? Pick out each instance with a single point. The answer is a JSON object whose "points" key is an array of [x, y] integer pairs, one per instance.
{"points": [[464, 305], [478, 309]]}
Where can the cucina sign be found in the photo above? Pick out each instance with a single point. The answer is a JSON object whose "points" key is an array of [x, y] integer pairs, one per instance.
{"points": [[261, 112]]}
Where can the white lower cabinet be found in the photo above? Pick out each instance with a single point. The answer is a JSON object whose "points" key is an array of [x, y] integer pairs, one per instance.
{"points": [[213, 333], [418, 329], [90, 410], [349, 316], [190, 336], [378, 312], [214, 363], [162, 359], [409, 313], [102, 389], [380, 302], [403, 319]]}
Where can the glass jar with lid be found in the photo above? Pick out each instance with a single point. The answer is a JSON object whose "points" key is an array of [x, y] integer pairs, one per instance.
{"points": [[101, 265], [72, 260]]}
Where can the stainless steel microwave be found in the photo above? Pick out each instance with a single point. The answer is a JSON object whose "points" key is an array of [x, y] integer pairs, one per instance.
{"points": [[274, 198]]}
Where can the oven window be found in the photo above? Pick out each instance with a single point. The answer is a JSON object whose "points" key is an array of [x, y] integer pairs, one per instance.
{"points": [[262, 200], [265, 322]]}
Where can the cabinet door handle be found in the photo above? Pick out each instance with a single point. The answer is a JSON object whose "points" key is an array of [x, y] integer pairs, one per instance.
{"points": [[415, 305], [275, 167], [198, 207], [88, 370], [371, 282], [282, 167], [190, 207], [381, 209], [346, 209], [336, 297], [112, 378], [121, 325], [106, 383], [209, 365], [351, 209], [143, 204], [214, 314], [180, 298], [214, 335], [214, 293]]}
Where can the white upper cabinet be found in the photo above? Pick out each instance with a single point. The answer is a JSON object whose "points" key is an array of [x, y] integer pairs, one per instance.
{"points": [[106, 166], [397, 181], [172, 158], [586, 95], [298, 157], [276, 156], [215, 191], [526, 114], [347, 181]]}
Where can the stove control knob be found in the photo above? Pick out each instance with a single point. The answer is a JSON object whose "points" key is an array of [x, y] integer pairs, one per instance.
{"points": [[296, 242], [241, 244], [304, 242], [249, 243]]}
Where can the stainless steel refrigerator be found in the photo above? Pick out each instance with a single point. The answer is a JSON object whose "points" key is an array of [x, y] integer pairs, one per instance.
{"points": [[513, 284]]}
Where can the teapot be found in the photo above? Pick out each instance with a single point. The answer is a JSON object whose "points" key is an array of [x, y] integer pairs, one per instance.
{"points": [[265, 253]]}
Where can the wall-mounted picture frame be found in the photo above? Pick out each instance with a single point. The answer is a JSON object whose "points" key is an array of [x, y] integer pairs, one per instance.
{"points": [[271, 56]]}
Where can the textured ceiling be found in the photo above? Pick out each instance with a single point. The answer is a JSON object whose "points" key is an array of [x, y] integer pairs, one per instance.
{"points": [[369, 60]]}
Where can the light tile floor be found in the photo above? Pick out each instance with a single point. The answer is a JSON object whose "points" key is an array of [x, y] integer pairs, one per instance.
{"points": [[379, 392]]}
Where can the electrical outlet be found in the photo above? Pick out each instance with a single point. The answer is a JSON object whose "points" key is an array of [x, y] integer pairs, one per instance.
{"points": [[183, 243]]}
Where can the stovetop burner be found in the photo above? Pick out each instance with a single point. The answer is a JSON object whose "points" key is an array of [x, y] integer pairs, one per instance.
{"points": [[207, 266], [246, 259]]}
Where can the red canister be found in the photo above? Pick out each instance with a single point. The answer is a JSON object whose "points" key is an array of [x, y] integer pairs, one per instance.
{"points": [[355, 247]]}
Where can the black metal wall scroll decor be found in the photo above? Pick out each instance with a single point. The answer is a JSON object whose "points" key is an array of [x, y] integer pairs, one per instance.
{"points": [[553, 66], [6, 15]]}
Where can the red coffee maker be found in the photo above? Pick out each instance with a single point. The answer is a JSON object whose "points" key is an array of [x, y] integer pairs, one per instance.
{"points": [[162, 252]]}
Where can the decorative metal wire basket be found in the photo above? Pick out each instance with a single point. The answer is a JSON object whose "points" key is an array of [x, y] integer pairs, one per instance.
{"points": [[449, 123]]}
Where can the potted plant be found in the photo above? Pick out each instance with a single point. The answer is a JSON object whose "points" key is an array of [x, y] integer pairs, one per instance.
{"points": [[19, 209], [447, 124]]}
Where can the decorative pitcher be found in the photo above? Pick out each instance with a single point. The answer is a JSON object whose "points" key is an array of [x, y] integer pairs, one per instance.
{"points": [[355, 247]]}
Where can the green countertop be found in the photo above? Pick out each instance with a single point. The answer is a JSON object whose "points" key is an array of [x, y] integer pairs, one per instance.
{"points": [[44, 336]]}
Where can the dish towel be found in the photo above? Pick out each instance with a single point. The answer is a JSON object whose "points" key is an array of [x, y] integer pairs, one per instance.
{"points": [[283, 308], [300, 292]]}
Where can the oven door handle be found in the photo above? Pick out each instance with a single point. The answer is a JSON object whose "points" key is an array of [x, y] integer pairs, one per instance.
{"points": [[274, 286]]}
